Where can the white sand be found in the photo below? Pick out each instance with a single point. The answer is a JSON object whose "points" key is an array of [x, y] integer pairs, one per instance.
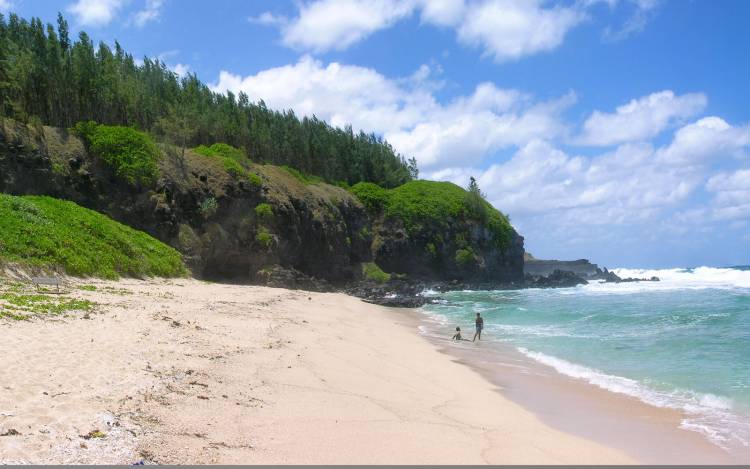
{"points": [[192, 372]]}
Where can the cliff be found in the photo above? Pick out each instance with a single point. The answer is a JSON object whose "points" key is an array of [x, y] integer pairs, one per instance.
{"points": [[258, 223]]}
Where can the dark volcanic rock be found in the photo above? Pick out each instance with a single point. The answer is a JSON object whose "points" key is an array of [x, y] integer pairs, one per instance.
{"points": [[197, 207], [316, 231], [418, 256], [557, 279], [544, 267]]}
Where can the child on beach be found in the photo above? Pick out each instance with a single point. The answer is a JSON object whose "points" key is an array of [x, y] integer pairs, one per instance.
{"points": [[457, 335]]}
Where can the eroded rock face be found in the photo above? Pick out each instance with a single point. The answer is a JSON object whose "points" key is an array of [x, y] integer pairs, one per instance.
{"points": [[314, 232], [198, 208], [465, 252]]}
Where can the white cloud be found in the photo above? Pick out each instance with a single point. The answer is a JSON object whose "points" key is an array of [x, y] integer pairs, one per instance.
{"points": [[5, 6], [504, 29], [464, 130], [337, 24], [180, 69], [150, 12], [268, 19], [708, 138], [643, 12], [639, 193], [442, 12], [731, 195], [95, 12], [636, 195], [641, 118], [510, 29]]}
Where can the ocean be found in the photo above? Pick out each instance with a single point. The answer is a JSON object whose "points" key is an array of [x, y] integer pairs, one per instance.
{"points": [[681, 343]]}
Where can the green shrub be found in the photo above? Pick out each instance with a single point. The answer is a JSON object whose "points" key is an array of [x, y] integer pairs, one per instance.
{"points": [[233, 159], [364, 233], [264, 211], [465, 257], [47, 232], [431, 249], [264, 238], [208, 207], [372, 196], [371, 271], [434, 206], [132, 154]]}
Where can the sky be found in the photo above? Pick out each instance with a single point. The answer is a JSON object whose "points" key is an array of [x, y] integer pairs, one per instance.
{"points": [[613, 130]]}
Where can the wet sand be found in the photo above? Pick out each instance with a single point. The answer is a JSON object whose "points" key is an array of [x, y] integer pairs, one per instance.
{"points": [[649, 434]]}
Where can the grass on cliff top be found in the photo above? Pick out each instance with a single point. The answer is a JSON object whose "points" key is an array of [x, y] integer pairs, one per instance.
{"points": [[420, 204], [47, 232], [234, 160]]}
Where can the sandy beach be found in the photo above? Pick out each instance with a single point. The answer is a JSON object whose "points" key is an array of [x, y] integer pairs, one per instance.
{"points": [[192, 372]]}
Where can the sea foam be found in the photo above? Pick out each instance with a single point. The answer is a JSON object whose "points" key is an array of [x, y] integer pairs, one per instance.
{"points": [[705, 413]]}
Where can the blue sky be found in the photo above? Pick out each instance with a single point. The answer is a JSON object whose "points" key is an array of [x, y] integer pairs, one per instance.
{"points": [[617, 130]]}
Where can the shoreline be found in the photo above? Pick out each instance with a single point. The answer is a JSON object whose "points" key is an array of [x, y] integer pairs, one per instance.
{"points": [[584, 409], [183, 371]]}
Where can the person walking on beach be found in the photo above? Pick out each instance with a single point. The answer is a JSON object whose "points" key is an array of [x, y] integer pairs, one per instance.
{"points": [[479, 323]]}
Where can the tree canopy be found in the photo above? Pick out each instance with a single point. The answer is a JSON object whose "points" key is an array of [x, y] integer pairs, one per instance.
{"points": [[47, 78]]}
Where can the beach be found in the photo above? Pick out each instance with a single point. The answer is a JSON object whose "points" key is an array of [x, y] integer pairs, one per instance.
{"points": [[183, 371]]}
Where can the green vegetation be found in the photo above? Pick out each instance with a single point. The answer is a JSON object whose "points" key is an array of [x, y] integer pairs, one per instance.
{"points": [[264, 238], [372, 196], [264, 212], [133, 155], [47, 232], [364, 233], [371, 271], [302, 177], [20, 306], [234, 160], [465, 257], [87, 287], [431, 249], [420, 204], [208, 207], [49, 78]]}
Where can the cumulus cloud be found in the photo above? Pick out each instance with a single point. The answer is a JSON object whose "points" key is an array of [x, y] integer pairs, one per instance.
{"points": [[704, 139], [337, 24], [503, 29], [510, 29], [731, 195], [406, 112], [640, 118], [639, 192], [95, 12], [150, 12]]}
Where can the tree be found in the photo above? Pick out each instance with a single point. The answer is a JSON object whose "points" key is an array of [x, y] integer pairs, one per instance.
{"points": [[414, 170], [179, 125], [474, 202], [48, 77]]}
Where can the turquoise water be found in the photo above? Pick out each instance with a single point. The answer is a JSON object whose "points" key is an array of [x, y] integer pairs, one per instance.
{"points": [[682, 343]]}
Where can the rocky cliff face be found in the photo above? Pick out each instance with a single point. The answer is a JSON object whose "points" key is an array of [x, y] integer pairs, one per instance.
{"points": [[418, 255], [199, 208], [281, 232]]}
